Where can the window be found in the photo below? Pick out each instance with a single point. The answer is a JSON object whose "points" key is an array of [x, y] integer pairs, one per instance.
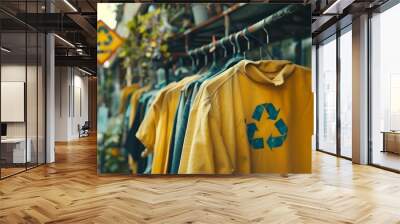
{"points": [[327, 96], [22, 75], [394, 102], [385, 89], [346, 93]]}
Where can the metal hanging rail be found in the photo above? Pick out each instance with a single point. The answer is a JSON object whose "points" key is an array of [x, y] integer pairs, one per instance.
{"points": [[289, 10]]}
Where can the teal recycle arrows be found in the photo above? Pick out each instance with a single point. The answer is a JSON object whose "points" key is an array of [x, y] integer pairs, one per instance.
{"points": [[109, 37], [272, 141]]}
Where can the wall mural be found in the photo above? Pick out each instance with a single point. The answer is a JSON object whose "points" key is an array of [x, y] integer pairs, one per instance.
{"points": [[185, 90]]}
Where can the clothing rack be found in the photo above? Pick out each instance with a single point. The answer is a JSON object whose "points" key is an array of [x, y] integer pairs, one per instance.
{"points": [[288, 10]]}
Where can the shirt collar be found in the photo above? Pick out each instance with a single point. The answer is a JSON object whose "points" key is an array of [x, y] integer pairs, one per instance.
{"points": [[268, 71]]}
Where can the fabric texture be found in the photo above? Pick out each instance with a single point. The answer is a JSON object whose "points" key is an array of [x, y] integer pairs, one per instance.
{"points": [[156, 129], [188, 95]]}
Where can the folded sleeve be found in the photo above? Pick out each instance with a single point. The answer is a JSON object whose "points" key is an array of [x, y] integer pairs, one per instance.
{"points": [[147, 129]]}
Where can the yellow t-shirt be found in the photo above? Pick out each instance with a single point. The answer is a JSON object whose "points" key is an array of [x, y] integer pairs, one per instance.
{"points": [[256, 117], [147, 131], [156, 129]]}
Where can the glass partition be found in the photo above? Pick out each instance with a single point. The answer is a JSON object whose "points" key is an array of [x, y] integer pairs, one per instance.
{"points": [[385, 89], [22, 89], [327, 95], [346, 93], [15, 152]]}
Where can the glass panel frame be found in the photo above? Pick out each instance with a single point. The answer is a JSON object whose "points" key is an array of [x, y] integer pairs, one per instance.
{"points": [[340, 123], [345, 93], [383, 84], [14, 147], [327, 96], [27, 59]]}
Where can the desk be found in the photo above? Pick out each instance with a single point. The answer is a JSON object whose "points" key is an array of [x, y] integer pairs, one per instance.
{"points": [[391, 141], [13, 150]]}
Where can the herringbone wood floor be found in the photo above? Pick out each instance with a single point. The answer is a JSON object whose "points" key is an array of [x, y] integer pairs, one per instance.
{"points": [[70, 191]]}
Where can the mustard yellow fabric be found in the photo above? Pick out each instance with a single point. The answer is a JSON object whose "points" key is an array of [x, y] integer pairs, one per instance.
{"points": [[156, 129], [125, 92], [217, 140], [150, 130], [147, 131], [170, 105]]}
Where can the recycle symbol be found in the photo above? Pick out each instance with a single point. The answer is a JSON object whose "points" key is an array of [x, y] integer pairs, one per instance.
{"points": [[272, 141], [104, 31]]}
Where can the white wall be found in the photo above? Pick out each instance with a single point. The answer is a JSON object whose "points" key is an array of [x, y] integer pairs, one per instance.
{"points": [[10, 73], [71, 94], [13, 73]]}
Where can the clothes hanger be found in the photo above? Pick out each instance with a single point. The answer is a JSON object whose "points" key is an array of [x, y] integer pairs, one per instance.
{"points": [[237, 56], [195, 62], [206, 66], [267, 42], [248, 42], [205, 56], [239, 51], [223, 46], [181, 70], [197, 58], [261, 42], [201, 51], [214, 63], [225, 58], [199, 70], [233, 45], [193, 65]]}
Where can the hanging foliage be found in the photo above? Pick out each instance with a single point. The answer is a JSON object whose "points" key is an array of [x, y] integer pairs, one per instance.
{"points": [[147, 40], [145, 47]]}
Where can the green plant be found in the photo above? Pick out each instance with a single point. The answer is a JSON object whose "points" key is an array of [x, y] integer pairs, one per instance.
{"points": [[148, 35]]}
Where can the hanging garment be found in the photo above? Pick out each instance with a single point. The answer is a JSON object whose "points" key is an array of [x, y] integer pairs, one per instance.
{"points": [[125, 95], [134, 101], [148, 156], [124, 110], [132, 110], [186, 99], [256, 117], [149, 129], [133, 145], [156, 129], [178, 132], [187, 95]]}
